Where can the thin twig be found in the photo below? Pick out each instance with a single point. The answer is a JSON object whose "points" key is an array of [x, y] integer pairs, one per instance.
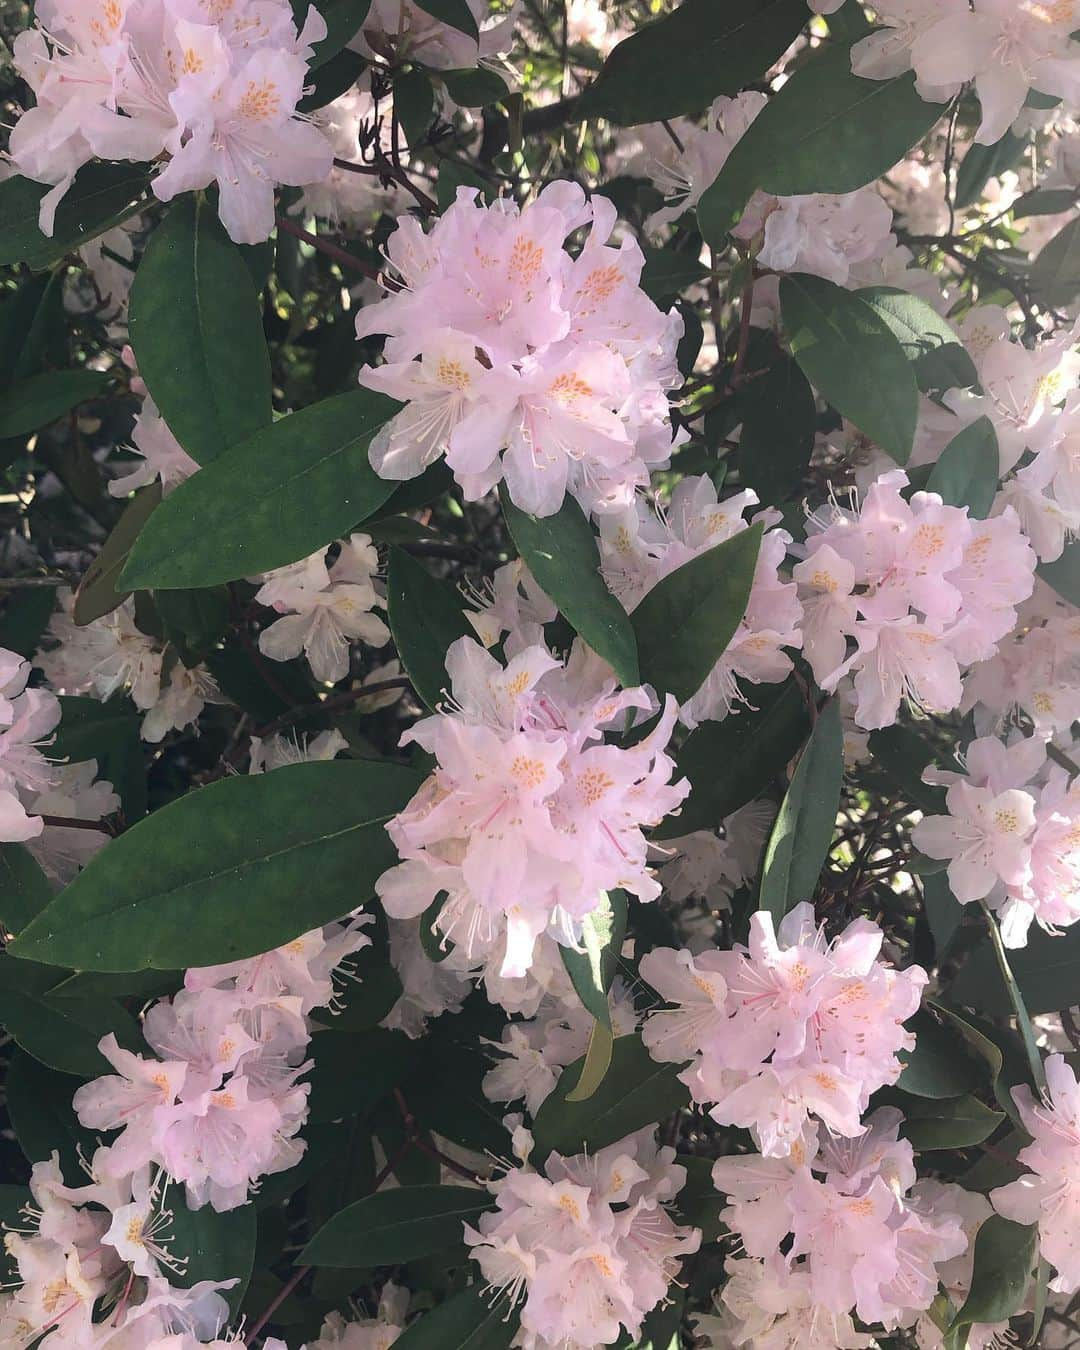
{"points": [[339, 255]]}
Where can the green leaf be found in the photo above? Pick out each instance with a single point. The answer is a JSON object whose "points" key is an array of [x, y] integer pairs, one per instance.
{"points": [[332, 79], [24, 888], [851, 357], [453, 175], [729, 763], [560, 551], [229, 871], [1044, 202], [426, 617], [25, 618], [39, 1104], [471, 1320], [196, 330], [940, 1065], [414, 103], [474, 88], [216, 1246], [344, 18], [108, 733], [966, 474], [1004, 1256], [1063, 575], [447, 1097], [338, 1088], [238, 517], [903, 754], [33, 403], [983, 162], [99, 591], [61, 1034], [101, 196], [1016, 999], [636, 1091], [684, 624], [1055, 273], [940, 359], [669, 271], [391, 1227], [947, 1122], [826, 130], [803, 831], [591, 972], [194, 621], [33, 328], [680, 63], [1047, 973], [779, 423], [454, 12]]}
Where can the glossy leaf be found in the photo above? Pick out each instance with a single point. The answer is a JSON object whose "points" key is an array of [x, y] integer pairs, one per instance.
{"points": [[39, 1104], [196, 330], [779, 422], [803, 831], [214, 1246], [99, 592], [966, 473], [228, 871], [24, 888], [238, 517], [940, 359], [1004, 1256], [560, 551], [33, 403], [948, 1122], [683, 61], [394, 1226], [684, 624], [101, 196], [471, 1320], [1063, 574], [852, 358], [456, 13], [109, 733], [1055, 274], [426, 617]]}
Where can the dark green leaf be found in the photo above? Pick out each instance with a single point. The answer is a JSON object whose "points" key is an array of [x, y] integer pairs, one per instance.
{"points": [[108, 733], [32, 328], [778, 429], [102, 196], [684, 624], [1055, 273], [414, 103], [330, 81], [729, 763], [939, 1066], [668, 272], [215, 1246], [849, 22], [636, 1091], [940, 359], [343, 20], [426, 618], [196, 329], [1044, 202], [966, 474], [238, 516], [471, 1320], [1016, 1000], [228, 871], [354, 1071], [826, 130], [592, 969], [195, 620], [1004, 1256], [680, 63], [803, 831], [35, 402], [851, 357], [391, 1227], [39, 1104], [26, 616], [947, 1122], [903, 753], [983, 162], [473, 88], [99, 591], [62, 1034], [24, 888], [1063, 575], [454, 12], [560, 551], [446, 1096]]}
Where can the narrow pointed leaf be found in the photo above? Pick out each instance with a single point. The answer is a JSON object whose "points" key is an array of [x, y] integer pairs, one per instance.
{"points": [[33, 403], [391, 1227], [966, 474], [426, 617], [99, 592]]}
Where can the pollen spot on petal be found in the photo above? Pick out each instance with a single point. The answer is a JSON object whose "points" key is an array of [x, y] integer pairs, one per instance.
{"points": [[928, 540], [603, 1265], [824, 581], [134, 1231], [529, 772], [259, 101], [526, 260], [825, 1081], [1006, 821], [453, 374], [568, 388], [569, 1205], [593, 784]]}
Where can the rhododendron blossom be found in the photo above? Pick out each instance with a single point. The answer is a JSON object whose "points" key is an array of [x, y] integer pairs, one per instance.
{"points": [[500, 341], [789, 1027], [530, 816]]}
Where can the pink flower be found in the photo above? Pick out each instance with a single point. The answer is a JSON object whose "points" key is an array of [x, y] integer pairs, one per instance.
{"points": [[985, 837]]}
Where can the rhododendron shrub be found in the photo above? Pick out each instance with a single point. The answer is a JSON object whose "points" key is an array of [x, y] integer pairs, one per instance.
{"points": [[540, 674]]}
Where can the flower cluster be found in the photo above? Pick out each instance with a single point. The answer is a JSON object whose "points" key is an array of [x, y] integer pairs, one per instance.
{"points": [[210, 88], [27, 716], [218, 1105], [365, 1333], [1009, 841], [103, 1248], [639, 548], [112, 654], [500, 340], [1008, 47], [530, 816], [591, 1244], [919, 588], [858, 1238], [789, 1027], [324, 608], [1049, 1194]]}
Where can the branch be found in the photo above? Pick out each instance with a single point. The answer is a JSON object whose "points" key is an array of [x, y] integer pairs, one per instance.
{"points": [[339, 255]]}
